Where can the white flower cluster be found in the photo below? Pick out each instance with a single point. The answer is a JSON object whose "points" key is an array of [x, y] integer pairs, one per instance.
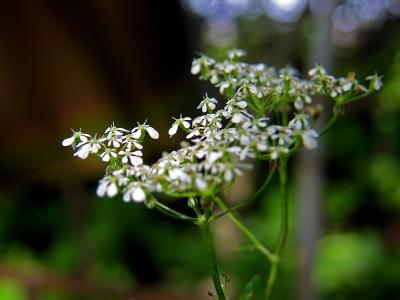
{"points": [[119, 147], [267, 115], [266, 83]]}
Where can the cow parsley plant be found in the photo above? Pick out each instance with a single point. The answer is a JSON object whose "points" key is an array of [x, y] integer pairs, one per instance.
{"points": [[262, 114]]}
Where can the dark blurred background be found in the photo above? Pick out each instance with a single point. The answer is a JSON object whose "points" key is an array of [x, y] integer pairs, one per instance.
{"points": [[84, 64]]}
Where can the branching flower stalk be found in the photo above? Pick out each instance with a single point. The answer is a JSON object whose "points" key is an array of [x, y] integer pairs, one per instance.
{"points": [[264, 114]]}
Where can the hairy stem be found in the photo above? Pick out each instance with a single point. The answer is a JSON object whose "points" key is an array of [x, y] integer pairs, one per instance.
{"points": [[204, 227]]}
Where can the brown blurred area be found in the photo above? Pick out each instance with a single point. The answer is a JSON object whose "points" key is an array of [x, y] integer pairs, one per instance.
{"points": [[82, 64]]}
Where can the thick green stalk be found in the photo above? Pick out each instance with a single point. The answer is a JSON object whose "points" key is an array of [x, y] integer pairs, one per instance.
{"points": [[284, 226], [284, 205], [271, 279], [204, 227]]}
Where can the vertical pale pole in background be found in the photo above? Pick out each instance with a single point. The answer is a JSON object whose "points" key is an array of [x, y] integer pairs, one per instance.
{"points": [[309, 164]]}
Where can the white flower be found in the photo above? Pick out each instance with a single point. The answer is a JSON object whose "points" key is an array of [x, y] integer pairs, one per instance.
{"points": [[253, 89], [224, 85], [106, 155], [347, 85], [228, 175], [138, 131], [95, 146], [207, 104], [236, 53], [134, 192], [107, 186], [309, 138], [178, 174], [214, 79], [68, 141], [115, 140], [214, 156], [77, 136], [83, 151], [173, 129], [261, 146], [317, 70], [274, 155], [113, 130], [115, 135], [193, 133], [242, 104], [183, 122], [195, 67], [200, 183], [376, 82], [229, 68], [262, 122], [152, 132], [298, 104], [238, 118], [133, 157], [130, 142]]}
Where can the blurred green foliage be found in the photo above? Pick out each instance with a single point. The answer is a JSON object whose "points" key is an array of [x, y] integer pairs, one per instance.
{"points": [[12, 290]]}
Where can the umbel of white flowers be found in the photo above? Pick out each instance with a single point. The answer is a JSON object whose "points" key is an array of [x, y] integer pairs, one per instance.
{"points": [[264, 114]]}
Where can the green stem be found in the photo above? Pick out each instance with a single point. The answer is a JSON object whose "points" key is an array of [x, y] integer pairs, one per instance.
{"points": [[359, 96], [173, 213], [284, 226], [264, 250], [204, 227], [329, 124], [284, 205], [247, 201], [271, 279]]}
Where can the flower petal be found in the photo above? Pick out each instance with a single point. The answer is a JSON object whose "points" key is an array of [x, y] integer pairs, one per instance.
{"points": [[68, 141], [112, 190], [102, 188], [186, 124], [136, 133], [201, 184], [195, 68], [135, 160], [83, 152], [105, 157], [152, 132], [126, 197], [173, 129], [138, 195]]}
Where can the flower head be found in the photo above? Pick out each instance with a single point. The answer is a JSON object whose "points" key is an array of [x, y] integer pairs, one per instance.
{"points": [[139, 131], [180, 122], [207, 104]]}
